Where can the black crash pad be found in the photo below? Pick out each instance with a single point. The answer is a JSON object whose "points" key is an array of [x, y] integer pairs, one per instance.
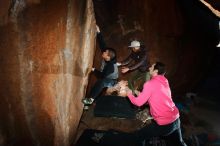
{"points": [[114, 106]]}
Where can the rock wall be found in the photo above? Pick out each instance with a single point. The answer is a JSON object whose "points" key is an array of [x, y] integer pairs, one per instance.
{"points": [[47, 49], [172, 34], [46, 52]]}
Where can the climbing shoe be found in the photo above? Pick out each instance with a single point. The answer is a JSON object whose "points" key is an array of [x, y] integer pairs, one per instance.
{"points": [[87, 101]]}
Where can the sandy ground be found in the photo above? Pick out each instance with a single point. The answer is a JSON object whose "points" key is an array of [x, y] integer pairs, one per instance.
{"points": [[201, 118]]}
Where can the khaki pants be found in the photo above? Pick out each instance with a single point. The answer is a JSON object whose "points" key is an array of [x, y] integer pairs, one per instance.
{"points": [[137, 80]]}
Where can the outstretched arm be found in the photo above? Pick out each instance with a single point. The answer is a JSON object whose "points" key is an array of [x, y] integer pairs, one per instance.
{"points": [[216, 12], [126, 61], [101, 41], [142, 97], [143, 60]]}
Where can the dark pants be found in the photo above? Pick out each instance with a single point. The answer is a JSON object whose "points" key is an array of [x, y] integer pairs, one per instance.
{"points": [[100, 85], [154, 130]]}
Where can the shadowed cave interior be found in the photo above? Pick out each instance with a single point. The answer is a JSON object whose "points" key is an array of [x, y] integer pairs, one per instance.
{"points": [[47, 49]]}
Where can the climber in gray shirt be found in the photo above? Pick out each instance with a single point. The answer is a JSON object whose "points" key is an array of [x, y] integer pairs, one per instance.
{"points": [[108, 73]]}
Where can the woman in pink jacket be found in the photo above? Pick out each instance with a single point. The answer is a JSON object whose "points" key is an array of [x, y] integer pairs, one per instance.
{"points": [[156, 92]]}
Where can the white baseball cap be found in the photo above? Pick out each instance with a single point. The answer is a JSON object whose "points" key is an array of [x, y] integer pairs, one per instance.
{"points": [[135, 44]]}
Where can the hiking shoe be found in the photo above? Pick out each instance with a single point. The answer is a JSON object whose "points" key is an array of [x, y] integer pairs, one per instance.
{"points": [[88, 101]]}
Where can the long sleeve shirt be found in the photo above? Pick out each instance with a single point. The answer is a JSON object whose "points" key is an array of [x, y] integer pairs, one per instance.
{"points": [[157, 94], [108, 69], [139, 58], [101, 42]]}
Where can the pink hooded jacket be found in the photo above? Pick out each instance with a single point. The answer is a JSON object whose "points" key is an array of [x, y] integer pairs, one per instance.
{"points": [[157, 94]]}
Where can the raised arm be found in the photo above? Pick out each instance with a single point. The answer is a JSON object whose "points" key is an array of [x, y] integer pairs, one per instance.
{"points": [[101, 41]]}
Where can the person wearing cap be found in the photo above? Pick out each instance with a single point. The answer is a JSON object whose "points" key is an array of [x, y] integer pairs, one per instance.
{"points": [[137, 63], [108, 74]]}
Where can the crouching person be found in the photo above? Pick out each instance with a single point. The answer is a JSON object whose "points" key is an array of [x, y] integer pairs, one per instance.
{"points": [[156, 92]]}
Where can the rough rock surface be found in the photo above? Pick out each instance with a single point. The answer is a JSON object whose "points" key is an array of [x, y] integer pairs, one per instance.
{"points": [[46, 52]]}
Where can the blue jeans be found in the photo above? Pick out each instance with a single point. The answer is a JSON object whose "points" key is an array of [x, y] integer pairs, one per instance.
{"points": [[100, 85], [154, 130]]}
